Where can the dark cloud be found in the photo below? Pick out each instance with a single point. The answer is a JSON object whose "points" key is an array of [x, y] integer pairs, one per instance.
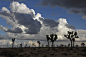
{"points": [[24, 19], [65, 3], [49, 22], [75, 11], [69, 26], [34, 28], [16, 30], [75, 6]]}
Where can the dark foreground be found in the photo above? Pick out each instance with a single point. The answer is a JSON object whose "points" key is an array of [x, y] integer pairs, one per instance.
{"points": [[43, 52]]}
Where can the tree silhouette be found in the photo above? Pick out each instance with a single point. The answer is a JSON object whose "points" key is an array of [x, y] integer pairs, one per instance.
{"points": [[69, 45], [38, 43], [13, 42], [48, 38], [70, 36], [53, 38], [20, 45], [61, 45], [33, 44], [76, 45], [42, 45], [83, 44]]}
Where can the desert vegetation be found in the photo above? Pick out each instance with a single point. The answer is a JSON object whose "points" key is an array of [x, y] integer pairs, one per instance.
{"points": [[71, 36], [13, 42], [47, 51]]}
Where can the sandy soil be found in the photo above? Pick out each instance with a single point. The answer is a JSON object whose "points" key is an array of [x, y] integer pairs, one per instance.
{"points": [[43, 52]]}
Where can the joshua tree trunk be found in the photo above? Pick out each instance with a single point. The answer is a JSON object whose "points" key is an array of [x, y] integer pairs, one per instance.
{"points": [[48, 45], [71, 44], [52, 45], [12, 45]]}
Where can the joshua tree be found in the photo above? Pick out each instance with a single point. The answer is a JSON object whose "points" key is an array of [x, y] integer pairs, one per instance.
{"points": [[38, 43], [20, 45], [65, 45], [13, 42], [33, 44], [61, 45], [76, 45], [48, 38], [42, 45], [68, 44], [70, 36], [83, 44], [57, 45], [52, 38]]}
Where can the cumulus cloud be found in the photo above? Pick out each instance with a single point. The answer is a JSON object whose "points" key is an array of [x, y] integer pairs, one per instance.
{"points": [[20, 15], [28, 25], [75, 6]]}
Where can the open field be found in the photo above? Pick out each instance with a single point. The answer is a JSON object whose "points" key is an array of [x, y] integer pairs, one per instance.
{"points": [[43, 52]]}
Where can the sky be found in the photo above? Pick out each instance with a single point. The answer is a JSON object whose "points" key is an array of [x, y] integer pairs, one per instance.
{"points": [[29, 21]]}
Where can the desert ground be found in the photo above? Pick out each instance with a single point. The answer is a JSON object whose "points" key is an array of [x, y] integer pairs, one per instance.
{"points": [[43, 52]]}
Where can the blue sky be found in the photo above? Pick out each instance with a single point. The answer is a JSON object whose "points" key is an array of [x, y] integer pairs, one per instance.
{"points": [[47, 12]]}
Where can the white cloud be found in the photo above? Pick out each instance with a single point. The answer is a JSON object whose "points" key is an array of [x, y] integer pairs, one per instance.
{"points": [[35, 26]]}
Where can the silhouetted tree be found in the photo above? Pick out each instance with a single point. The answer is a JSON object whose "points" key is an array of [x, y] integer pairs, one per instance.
{"points": [[57, 45], [42, 45], [20, 45], [13, 42], [76, 45], [33, 44], [65, 45], [70, 36], [38, 43], [83, 44], [48, 38], [61, 45], [52, 38], [69, 45]]}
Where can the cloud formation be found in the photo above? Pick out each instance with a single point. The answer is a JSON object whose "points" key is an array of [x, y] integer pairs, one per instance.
{"points": [[20, 15], [75, 6], [26, 24]]}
